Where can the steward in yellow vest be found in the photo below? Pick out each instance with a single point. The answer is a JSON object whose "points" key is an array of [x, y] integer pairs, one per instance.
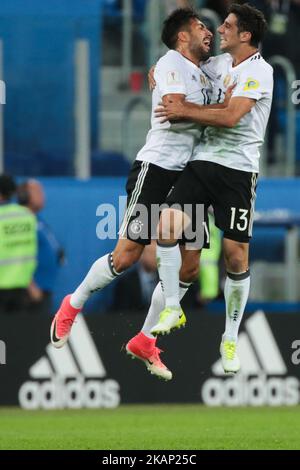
{"points": [[18, 246]]}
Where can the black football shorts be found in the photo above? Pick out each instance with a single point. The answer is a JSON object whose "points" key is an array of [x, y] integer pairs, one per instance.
{"points": [[230, 192], [147, 187]]}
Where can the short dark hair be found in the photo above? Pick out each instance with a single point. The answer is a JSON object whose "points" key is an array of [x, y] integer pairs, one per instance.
{"points": [[250, 19], [179, 20], [7, 186]]}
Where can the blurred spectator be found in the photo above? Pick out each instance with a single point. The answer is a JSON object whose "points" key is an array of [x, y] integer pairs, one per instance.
{"points": [[50, 253], [134, 290], [18, 247]]}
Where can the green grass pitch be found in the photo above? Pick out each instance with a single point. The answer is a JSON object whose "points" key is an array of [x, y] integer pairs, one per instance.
{"points": [[160, 427]]}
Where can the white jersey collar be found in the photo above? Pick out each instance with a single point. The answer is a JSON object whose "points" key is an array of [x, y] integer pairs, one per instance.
{"points": [[255, 56]]}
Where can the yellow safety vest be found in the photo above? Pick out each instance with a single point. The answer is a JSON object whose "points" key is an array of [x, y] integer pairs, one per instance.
{"points": [[18, 246]]}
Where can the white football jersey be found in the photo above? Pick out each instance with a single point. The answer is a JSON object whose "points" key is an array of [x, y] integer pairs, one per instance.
{"points": [[170, 146], [238, 147]]}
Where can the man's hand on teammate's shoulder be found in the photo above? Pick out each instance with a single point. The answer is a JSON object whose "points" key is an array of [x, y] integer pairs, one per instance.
{"points": [[172, 111]]}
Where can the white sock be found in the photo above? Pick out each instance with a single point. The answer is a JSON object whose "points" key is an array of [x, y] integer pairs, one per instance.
{"points": [[236, 294], [169, 264], [100, 275], [157, 305]]}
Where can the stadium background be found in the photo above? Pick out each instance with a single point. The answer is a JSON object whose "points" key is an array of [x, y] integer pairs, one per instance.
{"points": [[76, 112]]}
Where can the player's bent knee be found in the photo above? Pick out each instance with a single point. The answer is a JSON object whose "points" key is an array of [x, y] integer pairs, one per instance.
{"points": [[236, 256]]}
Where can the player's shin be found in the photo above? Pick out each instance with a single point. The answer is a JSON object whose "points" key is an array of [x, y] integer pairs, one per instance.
{"points": [[169, 264], [236, 294], [99, 276], [172, 317]]}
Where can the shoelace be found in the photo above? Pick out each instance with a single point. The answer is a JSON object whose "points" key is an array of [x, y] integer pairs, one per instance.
{"points": [[165, 313], [156, 354], [65, 326], [230, 348]]}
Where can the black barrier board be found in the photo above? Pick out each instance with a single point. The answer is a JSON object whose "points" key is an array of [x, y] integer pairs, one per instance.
{"points": [[93, 370]]}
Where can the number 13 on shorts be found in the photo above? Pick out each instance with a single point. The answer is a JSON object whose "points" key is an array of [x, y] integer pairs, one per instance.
{"points": [[239, 219]]}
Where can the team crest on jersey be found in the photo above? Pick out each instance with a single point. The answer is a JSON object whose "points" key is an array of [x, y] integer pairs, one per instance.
{"points": [[136, 226], [173, 78], [251, 84]]}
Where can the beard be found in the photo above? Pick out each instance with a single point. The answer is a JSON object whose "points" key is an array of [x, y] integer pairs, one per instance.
{"points": [[201, 52], [205, 55]]}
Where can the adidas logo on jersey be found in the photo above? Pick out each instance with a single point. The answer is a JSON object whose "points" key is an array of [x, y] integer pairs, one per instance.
{"points": [[262, 379], [71, 377]]}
